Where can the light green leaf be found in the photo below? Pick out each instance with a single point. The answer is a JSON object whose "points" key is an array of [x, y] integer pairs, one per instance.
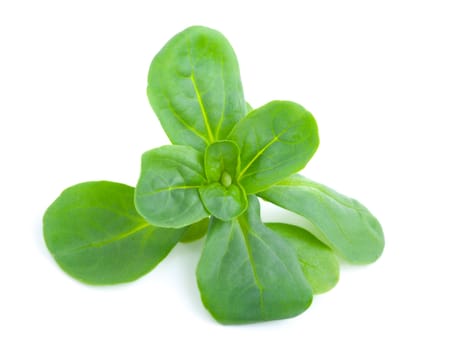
{"points": [[195, 231], [223, 197], [195, 89], [167, 191], [319, 264], [248, 273], [95, 234], [342, 223], [224, 202], [221, 160], [275, 141]]}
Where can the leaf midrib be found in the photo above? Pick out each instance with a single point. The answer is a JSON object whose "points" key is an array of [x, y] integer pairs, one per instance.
{"points": [[321, 194], [203, 110], [183, 122], [101, 243], [313, 187], [257, 155], [244, 228], [262, 150], [169, 189]]}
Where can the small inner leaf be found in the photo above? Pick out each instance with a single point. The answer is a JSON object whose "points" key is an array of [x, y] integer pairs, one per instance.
{"points": [[221, 158], [226, 179], [224, 202]]}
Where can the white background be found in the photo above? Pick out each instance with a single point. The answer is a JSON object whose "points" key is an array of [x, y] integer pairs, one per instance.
{"points": [[387, 83]]}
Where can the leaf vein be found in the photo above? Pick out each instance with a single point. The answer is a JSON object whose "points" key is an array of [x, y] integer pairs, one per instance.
{"points": [[167, 189], [182, 121], [253, 268], [104, 242]]}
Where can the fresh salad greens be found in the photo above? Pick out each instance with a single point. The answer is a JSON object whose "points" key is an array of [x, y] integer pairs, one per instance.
{"points": [[224, 156]]}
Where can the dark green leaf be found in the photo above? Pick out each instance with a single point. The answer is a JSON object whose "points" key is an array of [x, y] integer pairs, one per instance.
{"points": [[248, 273], [318, 262], [342, 223], [95, 234], [223, 202], [275, 141], [195, 89], [167, 191], [195, 231]]}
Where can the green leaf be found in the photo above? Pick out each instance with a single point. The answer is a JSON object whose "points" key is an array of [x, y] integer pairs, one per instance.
{"points": [[247, 273], [95, 234], [275, 141], [342, 223], [319, 264], [221, 160], [223, 197], [225, 203], [167, 191], [195, 231], [195, 89]]}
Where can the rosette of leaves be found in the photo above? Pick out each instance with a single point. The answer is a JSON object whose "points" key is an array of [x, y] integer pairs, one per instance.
{"points": [[224, 156]]}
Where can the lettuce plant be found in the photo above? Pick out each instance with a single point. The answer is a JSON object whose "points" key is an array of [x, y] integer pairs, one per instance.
{"points": [[224, 156]]}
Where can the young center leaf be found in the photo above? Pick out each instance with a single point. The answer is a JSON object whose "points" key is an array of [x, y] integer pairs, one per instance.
{"points": [[275, 141], [223, 197], [248, 273], [221, 161], [95, 234], [167, 191], [319, 263], [195, 89], [225, 203], [342, 223]]}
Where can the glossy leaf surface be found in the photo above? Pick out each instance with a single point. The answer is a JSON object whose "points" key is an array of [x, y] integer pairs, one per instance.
{"points": [[248, 273], [224, 203], [167, 191], [195, 89], [95, 234], [340, 222], [275, 141], [319, 263]]}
